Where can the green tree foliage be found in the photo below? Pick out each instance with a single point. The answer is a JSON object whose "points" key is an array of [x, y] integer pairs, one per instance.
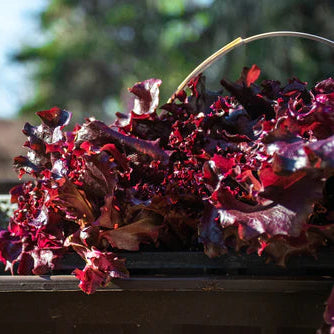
{"points": [[95, 49]]}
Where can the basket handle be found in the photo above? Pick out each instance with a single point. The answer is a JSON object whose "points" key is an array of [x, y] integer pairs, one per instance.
{"points": [[242, 41]]}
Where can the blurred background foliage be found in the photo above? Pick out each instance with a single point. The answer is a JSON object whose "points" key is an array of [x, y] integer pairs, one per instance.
{"points": [[95, 49]]}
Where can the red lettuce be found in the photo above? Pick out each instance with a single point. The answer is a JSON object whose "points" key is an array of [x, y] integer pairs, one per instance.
{"points": [[251, 171]]}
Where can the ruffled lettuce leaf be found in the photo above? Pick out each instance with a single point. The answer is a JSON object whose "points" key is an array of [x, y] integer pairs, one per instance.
{"points": [[251, 171]]}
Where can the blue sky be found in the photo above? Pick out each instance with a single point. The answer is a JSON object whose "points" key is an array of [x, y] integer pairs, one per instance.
{"points": [[18, 26]]}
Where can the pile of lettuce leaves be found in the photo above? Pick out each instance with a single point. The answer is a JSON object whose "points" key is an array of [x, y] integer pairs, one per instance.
{"points": [[250, 170]]}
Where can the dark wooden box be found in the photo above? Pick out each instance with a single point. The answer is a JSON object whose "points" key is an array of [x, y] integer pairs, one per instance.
{"points": [[174, 293]]}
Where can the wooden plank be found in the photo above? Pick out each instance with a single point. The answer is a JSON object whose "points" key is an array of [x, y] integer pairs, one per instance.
{"points": [[199, 284], [232, 260], [197, 263], [161, 311]]}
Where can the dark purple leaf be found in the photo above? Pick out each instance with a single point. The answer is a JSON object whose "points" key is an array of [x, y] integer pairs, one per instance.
{"points": [[55, 117], [146, 96], [129, 237], [100, 134], [250, 75], [99, 270]]}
